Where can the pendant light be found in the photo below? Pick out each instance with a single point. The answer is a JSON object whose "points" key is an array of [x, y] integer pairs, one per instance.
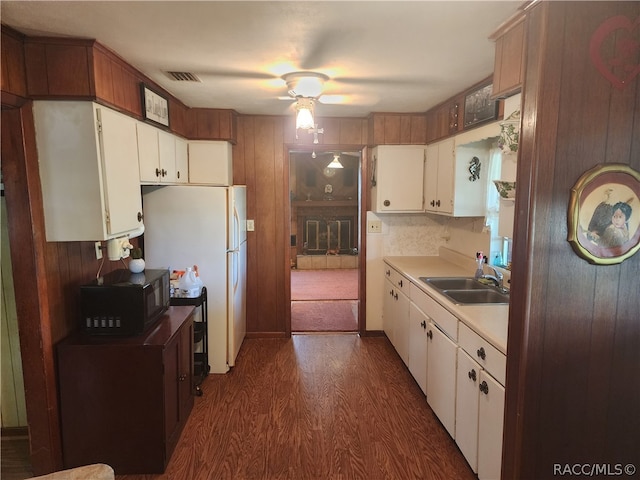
{"points": [[335, 163], [304, 113]]}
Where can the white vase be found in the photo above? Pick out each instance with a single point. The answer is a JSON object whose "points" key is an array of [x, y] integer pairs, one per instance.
{"points": [[136, 265]]}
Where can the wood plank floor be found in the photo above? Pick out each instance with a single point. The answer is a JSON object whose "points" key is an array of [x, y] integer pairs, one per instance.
{"points": [[322, 406]]}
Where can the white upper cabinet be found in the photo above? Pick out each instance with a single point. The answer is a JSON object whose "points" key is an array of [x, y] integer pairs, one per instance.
{"points": [[398, 175], [210, 163], [438, 177], [88, 159], [158, 156], [182, 160]]}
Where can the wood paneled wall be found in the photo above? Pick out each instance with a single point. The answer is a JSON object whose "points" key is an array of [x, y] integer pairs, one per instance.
{"points": [[572, 391], [261, 162]]}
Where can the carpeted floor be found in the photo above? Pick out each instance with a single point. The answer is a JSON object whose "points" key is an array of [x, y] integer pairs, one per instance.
{"points": [[324, 300], [324, 316], [337, 284]]}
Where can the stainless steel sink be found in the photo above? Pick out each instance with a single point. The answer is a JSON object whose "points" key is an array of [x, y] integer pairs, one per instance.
{"points": [[454, 283], [477, 297], [467, 290]]}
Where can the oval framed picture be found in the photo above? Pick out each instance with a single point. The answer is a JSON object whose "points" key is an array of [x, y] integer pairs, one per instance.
{"points": [[604, 214]]}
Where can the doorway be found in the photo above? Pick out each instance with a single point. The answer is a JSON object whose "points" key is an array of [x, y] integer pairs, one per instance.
{"points": [[324, 255]]}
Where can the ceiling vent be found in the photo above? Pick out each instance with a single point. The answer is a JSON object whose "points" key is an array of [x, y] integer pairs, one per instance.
{"points": [[183, 77]]}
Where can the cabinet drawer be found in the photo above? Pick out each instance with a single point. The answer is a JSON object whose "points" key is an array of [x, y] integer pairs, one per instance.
{"points": [[397, 280], [447, 322], [491, 359]]}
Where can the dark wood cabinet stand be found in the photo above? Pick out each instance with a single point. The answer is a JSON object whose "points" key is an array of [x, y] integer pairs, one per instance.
{"points": [[124, 401]]}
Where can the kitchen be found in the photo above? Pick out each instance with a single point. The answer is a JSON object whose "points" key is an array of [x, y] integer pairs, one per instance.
{"points": [[556, 111]]}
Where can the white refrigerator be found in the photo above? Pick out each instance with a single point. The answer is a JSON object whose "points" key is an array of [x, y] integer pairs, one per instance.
{"points": [[204, 226]]}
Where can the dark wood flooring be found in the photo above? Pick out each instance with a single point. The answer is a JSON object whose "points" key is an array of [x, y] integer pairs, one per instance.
{"points": [[321, 406]]}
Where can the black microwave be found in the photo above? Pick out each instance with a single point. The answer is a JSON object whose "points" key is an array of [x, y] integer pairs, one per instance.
{"points": [[124, 303]]}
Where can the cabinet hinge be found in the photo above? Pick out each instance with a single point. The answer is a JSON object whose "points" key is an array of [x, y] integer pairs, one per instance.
{"points": [[99, 126]]}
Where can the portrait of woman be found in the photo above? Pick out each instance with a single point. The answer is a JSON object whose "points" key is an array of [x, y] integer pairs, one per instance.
{"points": [[604, 214]]}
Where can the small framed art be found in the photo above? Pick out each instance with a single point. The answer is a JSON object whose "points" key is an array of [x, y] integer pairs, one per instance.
{"points": [[155, 107]]}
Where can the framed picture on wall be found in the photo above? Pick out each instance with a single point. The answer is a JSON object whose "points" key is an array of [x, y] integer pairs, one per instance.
{"points": [[604, 214], [155, 107], [479, 107]]}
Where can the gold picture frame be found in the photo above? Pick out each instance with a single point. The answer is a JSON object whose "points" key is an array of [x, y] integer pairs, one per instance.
{"points": [[604, 214]]}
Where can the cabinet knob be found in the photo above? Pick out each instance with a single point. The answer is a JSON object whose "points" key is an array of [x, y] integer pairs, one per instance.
{"points": [[472, 374], [178, 174], [386, 203], [140, 216], [164, 172], [157, 172], [432, 203], [395, 296], [400, 283], [438, 203], [484, 388], [481, 353], [430, 335], [183, 377], [388, 273], [423, 324]]}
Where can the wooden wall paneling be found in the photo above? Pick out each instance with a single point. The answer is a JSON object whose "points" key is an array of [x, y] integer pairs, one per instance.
{"points": [[392, 129], [68, 70], [36, 69], [177, 113], [418, 127], [376, 129], [13, 65], [569, 394], [104, 79], [26, 220]]}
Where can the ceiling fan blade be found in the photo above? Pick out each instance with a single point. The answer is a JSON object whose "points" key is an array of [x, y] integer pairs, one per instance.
{"points": [[323, 48]]}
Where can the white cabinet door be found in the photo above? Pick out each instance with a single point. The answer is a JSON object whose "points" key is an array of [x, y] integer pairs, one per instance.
{"points": [[148, 152], [88, 165], [401, 328], [182, 161], [467, 393], [210, 163], [441, 377], [490, 426], [439, 176], [167, 156], [388, 304], [418, 346], [399, 171], [119, 161], [156, 155]]}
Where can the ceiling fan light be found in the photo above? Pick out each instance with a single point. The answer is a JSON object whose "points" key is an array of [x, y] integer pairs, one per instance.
{"points": [[335, 163], [305, 84], [304, 113]]}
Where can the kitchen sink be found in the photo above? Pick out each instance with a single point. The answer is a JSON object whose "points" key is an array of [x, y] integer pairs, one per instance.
{"points": [[454, 283], [467, 291], [477, 297]]}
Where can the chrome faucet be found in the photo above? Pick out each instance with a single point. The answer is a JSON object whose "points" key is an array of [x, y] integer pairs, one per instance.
{"points": [[497, 278]]}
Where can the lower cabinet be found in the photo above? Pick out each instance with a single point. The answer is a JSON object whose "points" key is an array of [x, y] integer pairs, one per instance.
{"points": [[125, 401], [480, 404], [441, 376], [396, 312], [418, 342], [490, 426]]}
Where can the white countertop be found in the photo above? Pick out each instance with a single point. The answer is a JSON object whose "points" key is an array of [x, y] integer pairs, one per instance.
{"points": [[488, 321]]}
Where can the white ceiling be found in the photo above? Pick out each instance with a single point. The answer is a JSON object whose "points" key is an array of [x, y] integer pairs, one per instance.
{"points": [[385, 56]]}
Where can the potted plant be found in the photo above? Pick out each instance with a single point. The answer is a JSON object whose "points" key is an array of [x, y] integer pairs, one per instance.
{"points": [[136, 264]]}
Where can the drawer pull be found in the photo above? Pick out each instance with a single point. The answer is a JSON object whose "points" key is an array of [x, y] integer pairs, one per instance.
{"points": [[484, 388], [423, 324], [472, 374], [430, 335], [400, 283], [481, 353]]}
